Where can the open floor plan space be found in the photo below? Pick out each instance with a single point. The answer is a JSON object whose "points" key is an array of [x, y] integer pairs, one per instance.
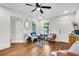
{"points": [[39, 29]]}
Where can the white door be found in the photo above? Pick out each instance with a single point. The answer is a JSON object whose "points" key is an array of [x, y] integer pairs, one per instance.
{"points": [[65, 29], [16, 30], [13, 29]]}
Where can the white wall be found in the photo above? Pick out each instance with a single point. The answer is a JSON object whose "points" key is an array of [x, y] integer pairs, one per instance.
{"points": [[77, 16], [5, 32], [20, 29], [62, 26], [4, 28], [40, 26]]}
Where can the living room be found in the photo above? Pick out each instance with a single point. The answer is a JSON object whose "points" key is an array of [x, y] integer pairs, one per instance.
{"points": [[18, 21]]}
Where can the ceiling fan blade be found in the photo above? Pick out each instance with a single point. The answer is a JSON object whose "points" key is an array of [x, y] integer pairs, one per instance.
{"points": [[47, 7], [33, 10], [41, 11], [28, 4]]}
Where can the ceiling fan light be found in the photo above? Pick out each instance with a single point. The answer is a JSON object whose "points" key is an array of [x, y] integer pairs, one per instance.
{"points": [[38, 9], [65, 12]]}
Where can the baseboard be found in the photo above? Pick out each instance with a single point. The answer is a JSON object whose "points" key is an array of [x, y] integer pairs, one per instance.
{"points": [[5, 46], [62, 41], [19, 42]]}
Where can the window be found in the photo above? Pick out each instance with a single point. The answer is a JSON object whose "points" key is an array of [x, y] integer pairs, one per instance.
{"points": [[33, 26], [46, 27]]}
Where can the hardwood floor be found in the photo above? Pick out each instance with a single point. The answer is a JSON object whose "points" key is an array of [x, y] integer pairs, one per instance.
{"points": [[23, 49]]}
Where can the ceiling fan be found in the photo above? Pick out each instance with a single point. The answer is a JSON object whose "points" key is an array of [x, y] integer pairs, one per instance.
{"points": [[39, 7]]}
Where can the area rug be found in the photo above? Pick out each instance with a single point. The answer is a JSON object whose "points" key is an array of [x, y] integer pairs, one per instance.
{"points": [[41, 44]]}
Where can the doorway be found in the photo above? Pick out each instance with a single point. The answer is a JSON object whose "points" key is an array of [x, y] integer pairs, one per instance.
{"points": [[16, 30], [13, 29]]}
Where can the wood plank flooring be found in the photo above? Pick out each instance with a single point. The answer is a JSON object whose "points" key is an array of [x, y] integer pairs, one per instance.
{"points": [[23, 49]]}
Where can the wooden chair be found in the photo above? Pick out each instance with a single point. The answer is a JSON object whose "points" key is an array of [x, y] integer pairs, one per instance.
{"points": [[52, 40]]}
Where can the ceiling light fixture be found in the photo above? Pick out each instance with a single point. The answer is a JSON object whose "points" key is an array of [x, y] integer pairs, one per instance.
{"points": [[65, 11]]}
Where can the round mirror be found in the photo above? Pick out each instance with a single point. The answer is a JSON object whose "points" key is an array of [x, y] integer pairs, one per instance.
{"points": [[26, 24]]}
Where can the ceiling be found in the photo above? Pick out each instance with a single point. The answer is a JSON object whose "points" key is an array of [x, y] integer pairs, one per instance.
{"points": [[57, 9]]}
